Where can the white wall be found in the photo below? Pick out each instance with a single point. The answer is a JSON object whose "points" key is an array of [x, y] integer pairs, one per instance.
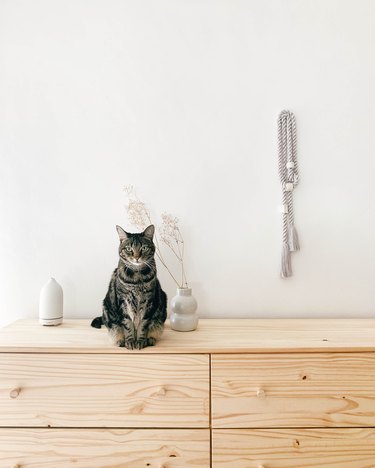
{"points": [[180, 98]]}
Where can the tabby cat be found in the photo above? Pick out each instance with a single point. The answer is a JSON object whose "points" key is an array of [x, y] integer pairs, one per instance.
{"points": [[135, 307]]}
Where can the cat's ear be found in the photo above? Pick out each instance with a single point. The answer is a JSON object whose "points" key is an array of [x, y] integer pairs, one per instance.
{"points": [[149, 232], [121, 233]]}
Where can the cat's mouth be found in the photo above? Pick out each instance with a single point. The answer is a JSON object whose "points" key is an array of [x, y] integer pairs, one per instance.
{"points": [[136, 262]]}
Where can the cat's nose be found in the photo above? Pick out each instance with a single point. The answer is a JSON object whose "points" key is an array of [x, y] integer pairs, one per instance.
{"points": [[136, 256]]}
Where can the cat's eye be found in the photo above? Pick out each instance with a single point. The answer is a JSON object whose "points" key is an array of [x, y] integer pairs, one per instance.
{"points": [[128, 248], [145, 248]]}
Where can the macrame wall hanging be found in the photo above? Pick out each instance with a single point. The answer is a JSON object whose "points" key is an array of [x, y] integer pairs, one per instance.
{"points": [[288, 171]]}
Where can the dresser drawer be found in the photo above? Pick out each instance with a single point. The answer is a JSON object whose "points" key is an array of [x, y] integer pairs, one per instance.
{"points": [[288, 448], [99, 448], [293, 390], [78, 390]]}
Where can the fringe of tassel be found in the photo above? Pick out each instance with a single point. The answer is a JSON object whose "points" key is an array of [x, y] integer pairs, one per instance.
{"points": [[293, 240], [286, 264], [291, 246]]}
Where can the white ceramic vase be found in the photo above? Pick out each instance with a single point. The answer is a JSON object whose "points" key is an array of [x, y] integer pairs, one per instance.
{"points": [[184, 315], [51, 303]]}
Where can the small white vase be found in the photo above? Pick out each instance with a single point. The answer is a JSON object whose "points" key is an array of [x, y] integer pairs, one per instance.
{"points": [[184, 315], [51, 303]]}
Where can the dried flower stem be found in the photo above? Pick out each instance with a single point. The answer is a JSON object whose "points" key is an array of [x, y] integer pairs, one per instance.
{"points": [[172, 237]]}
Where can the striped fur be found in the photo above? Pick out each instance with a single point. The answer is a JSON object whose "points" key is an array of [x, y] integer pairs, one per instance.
{"points": [[135, 307]]}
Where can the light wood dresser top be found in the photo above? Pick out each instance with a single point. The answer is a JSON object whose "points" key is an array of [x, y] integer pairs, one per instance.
{"points": [[235, 393], [212, 336]]}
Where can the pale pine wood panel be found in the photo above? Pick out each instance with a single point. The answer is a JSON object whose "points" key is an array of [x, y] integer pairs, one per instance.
{"points": [[93, 448], [293, 390], [104, 390], [212, 336], [294, 448]]}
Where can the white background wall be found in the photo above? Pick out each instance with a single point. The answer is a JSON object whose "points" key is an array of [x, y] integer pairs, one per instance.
{"points": [[180, 98]]}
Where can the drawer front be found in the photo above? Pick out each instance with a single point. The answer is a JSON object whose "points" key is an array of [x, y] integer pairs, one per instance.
{"points": [[99, 448], [67, 390], [293, 390], [288, 448]]}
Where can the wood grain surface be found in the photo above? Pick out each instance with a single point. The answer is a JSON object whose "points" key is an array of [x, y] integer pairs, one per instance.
{"points": [[59, 386], [212, 336], [94, 448], [293, 448], [293, 390], [86, 390]]}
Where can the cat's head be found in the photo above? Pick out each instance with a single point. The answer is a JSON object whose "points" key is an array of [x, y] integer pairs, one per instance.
{"points": [[136, 250]]}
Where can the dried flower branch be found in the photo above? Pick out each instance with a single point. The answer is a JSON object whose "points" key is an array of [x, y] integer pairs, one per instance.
{"points": [[170, 234]]}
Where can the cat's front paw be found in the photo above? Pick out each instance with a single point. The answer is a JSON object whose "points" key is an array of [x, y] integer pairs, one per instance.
{"points": [[130, 344], [140, 344]]}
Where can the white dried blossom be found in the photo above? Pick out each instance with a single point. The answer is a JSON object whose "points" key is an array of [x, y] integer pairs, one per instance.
{"points": [[169, 228], [137, 213]]}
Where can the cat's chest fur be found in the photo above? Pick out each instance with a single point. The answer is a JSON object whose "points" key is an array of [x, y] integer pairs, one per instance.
{"points": [[135, 292]]}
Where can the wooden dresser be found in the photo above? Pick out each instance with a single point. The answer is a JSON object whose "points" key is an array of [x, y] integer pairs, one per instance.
{"points": [[232, 394]]}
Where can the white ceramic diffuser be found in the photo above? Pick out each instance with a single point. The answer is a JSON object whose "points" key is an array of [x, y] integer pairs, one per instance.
{"points": [[51, 303]]}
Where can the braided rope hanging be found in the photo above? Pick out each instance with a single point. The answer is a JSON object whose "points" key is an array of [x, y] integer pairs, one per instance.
{"points": [[288, 171]]}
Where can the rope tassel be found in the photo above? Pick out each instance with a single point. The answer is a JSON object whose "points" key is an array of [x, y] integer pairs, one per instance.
{"points": [[286, 264], [289, 178], [293, 240]]}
